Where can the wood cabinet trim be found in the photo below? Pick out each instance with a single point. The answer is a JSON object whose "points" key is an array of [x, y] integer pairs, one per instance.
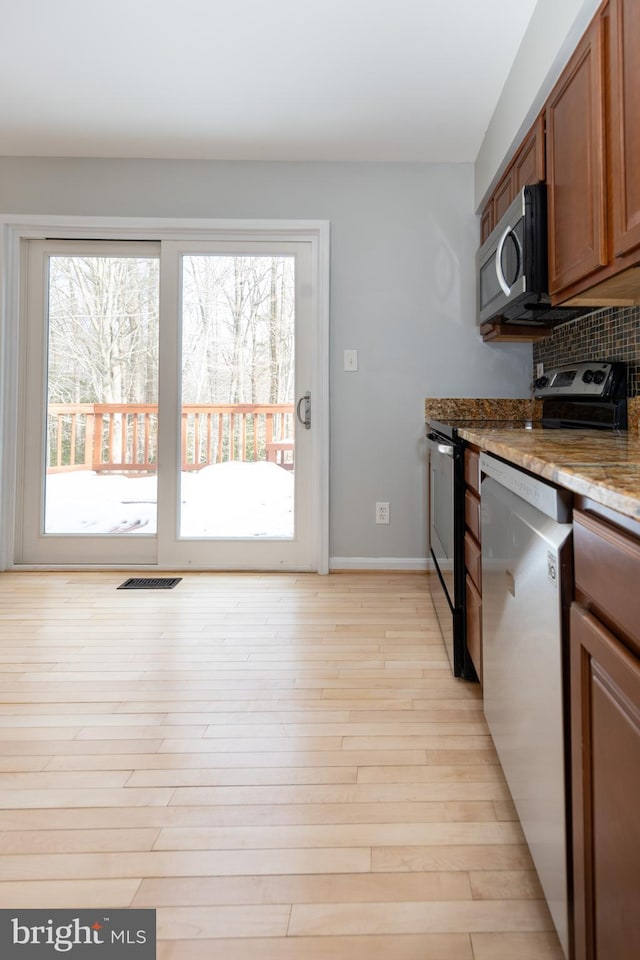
{"points": [[472, 469], [473, 559], [583, 505], [472, 513], [617, 538]]}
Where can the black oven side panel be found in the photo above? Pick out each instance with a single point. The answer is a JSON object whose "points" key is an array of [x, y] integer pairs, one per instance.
{"points": [[448, 592], [450, 620], [464, 664]]}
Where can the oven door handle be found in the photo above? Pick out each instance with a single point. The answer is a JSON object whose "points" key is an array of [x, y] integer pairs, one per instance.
{"points": [[446, 448]]}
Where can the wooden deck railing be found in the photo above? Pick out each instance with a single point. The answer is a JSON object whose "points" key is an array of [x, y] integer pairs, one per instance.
{"points": [[123, 438]]}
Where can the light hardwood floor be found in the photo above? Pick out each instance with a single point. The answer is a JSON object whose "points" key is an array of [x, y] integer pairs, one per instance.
{"points": [[282, 765]]}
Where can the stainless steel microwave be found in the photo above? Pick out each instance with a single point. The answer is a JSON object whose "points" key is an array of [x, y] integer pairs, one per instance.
{"points": [[512, 266]]}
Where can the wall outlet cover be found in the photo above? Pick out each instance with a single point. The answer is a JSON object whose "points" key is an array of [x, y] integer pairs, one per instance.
{"points": [[382, 511], [350, 361]]}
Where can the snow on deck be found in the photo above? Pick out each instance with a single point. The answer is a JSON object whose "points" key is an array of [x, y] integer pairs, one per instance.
{"points": [[222, 500]]}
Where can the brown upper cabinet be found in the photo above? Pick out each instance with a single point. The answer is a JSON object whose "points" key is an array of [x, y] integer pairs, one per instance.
{"points": [[625, 124], [486, 222], [593, 174], [503, 196], [586, 144], [576, 177], [529, 161], [527, 167]]}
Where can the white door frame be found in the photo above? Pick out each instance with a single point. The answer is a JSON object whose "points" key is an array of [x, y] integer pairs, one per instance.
{"points": [[15, 229]]}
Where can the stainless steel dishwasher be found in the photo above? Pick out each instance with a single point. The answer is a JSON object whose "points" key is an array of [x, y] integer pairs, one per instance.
{"points": [[526, 567]]}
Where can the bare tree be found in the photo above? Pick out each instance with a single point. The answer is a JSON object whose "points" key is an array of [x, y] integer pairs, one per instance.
{"points": [[103, 329], [237, 329]]}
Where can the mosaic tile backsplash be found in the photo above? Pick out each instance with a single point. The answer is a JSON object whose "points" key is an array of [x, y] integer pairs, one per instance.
{"points": [[610, 334]]}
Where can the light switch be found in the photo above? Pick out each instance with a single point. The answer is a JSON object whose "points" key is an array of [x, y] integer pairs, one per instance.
{"points": [[351, 361]]}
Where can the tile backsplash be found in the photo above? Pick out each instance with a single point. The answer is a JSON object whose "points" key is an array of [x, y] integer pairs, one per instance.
{"points": [[610, 334]]}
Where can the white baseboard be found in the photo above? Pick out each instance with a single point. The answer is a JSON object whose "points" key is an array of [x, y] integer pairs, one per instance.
{"points": [[416, 564]]}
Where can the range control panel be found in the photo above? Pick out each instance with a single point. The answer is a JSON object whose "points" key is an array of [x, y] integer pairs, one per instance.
{"points": [[588, 380]]}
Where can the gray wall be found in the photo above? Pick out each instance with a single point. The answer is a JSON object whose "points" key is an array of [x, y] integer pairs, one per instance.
{"points": [[403, 239]]}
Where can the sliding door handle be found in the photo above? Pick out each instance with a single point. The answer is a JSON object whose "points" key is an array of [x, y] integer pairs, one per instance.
{"points": [[304, 418]]}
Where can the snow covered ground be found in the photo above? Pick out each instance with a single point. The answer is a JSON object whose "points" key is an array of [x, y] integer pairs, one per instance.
{"points": [[222, 500]]}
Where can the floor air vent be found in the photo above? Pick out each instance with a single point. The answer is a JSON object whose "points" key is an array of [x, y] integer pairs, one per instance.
{"points": [[150, 583]]}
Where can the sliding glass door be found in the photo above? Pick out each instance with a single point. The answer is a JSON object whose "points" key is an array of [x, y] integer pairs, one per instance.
{"points": [[160, 384]]}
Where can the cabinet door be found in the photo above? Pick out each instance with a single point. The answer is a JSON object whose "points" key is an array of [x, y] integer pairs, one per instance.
{"points": [[486, 221], [576, 178], [503, 196], [625, 124], [529, 164], [605, 740]]}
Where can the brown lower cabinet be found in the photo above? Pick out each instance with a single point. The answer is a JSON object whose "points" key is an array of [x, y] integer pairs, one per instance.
{"points": [[605, 739]]}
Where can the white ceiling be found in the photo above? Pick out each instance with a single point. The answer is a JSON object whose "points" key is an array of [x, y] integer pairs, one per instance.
{"points": [[413, 80]]}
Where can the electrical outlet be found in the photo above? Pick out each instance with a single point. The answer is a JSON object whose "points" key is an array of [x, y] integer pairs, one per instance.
{"points": [[382, 512]]}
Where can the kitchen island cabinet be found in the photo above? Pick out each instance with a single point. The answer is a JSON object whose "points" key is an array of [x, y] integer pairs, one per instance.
{"points": [[605, 736]]}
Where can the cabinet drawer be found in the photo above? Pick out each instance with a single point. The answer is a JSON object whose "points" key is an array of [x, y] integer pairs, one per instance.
{"points": [[607, 571], [474, 625], [472, 470], [472, 513], [473, 559]]}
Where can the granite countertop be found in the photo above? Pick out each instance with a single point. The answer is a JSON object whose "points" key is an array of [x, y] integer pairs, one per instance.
{"points": [[602, 465]]}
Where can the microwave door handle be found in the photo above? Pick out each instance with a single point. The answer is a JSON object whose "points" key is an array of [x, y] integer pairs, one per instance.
{"points": [[504, 286]]}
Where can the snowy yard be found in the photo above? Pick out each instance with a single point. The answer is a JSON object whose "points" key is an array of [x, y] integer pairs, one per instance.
{"points": [[222, 500]]}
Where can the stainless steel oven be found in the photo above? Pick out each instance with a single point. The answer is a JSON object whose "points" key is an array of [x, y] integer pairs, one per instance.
{"points": [[446, 543]]}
